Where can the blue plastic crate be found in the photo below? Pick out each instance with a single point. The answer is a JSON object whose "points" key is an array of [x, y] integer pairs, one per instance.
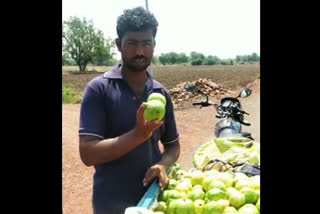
{"points": [[152, 193]]}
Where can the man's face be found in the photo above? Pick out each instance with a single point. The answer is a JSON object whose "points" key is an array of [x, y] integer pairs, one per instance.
{"points": [[136, 50]]}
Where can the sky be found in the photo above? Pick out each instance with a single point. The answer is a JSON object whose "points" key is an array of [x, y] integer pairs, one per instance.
{"points": [[223, 28]]}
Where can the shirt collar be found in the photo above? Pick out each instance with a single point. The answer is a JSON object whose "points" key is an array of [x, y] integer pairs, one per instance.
{"points": [[115, 73]]}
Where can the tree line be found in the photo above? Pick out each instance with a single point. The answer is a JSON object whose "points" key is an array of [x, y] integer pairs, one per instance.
{"points": [[83, 44]]}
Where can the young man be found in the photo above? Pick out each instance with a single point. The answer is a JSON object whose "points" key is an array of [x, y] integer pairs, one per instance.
{"points": [[114, 136]]}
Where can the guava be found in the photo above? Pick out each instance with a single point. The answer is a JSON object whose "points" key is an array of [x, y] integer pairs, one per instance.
{"points": [[155, 110], [197, 177], [213, 207], [217, 184], [215, 194], [237, 199], [157, 96], [198, 205], [250, 195], [249, 209]]}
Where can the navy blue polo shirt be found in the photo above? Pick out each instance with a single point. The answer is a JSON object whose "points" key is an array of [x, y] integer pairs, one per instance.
{"points": [[108, 109]]}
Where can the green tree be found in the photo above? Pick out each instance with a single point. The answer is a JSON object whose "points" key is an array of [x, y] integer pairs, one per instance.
{"points": [[66, 59], [196, 55], [155, 60], [211, 60], [164, 59], [85, 43], [254, 57], [173, 58], [196, 58], [183, 58]]}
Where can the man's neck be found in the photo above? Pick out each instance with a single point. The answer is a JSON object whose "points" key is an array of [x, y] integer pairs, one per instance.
{"points": [[134, 78]]}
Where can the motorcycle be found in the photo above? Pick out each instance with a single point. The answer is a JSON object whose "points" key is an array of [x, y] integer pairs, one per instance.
{"points": [[231, 116]]}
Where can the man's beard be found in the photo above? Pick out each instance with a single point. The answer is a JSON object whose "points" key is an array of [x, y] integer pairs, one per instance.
{"points": [[137, 64]]}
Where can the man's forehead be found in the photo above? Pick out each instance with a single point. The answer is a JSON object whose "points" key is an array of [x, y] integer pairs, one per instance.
{"points": [[138, 35]]}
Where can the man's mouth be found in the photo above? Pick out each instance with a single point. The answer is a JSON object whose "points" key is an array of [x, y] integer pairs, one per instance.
{"points": [[139, 60]]}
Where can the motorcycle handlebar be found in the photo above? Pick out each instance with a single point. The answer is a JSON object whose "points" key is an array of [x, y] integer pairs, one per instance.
{"points": [[202, 104]]}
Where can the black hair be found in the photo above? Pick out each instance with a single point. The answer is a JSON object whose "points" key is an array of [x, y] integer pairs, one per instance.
{"points": [[136, 20]]}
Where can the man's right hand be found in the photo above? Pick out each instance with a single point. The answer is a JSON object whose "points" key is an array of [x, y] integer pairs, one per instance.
{"points": [[144, 128]]}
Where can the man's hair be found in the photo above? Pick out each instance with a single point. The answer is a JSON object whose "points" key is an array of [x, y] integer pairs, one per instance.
{"points": [[136, 20]]}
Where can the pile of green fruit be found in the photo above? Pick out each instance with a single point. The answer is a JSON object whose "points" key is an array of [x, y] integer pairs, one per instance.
{"points": [[209, 192]]}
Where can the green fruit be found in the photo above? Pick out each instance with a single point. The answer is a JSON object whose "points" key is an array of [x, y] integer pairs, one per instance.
{"points": [[217, 184], [230, 210], [172, 206], [184, 186], [210, 172], [197, 177], [244, 183], [250, 195], [196, 194], [258, 193], [237, 199], [215, 194], [162, 206], [197, 186], [212, 207], [181, 206], [158, 212], [198, 205], [207, 181], [170, 194], [224, 203], [154, 110], [172, 183], [157, 96], [249, 209], [226, 178], [239, 176], [258, 204], [180, 174], [230, 190], [255, 182]]}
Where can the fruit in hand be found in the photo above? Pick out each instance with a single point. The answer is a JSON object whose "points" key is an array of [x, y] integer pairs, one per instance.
{"points": [[154, 110]]}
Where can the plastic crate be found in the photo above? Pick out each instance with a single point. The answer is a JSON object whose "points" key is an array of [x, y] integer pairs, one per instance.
{"points": [[152, 193]]}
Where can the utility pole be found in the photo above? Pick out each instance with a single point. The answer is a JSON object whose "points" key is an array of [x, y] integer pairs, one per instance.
{"points": [[147, 7]]}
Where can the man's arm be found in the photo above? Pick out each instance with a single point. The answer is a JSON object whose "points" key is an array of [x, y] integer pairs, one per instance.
{"points": [[94, 151], [169, 157]]}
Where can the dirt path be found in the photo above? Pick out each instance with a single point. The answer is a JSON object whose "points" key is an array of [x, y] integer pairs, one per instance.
{"points": [[195, 126]]}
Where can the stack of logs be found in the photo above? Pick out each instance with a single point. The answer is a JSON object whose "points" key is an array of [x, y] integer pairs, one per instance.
{"points": [[181, 98]]}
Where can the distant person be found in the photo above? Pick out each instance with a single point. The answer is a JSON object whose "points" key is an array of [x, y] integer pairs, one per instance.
{"points": [[113, 135]]}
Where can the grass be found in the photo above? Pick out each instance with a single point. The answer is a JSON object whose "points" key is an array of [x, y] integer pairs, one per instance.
{"points": [[69, 95], [229, 76]]}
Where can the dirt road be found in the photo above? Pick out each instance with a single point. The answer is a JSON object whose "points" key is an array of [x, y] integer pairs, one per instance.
{"points": [[196, 126]]}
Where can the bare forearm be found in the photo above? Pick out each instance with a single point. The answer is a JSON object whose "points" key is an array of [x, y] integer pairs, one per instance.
{"points": [[101, 151], [170, 155]]}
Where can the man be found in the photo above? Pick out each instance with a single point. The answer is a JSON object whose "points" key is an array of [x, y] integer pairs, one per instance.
{"points": [[114, 136]]}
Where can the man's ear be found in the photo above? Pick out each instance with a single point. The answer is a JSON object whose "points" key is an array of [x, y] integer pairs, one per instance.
{"points": [[118, 43]]}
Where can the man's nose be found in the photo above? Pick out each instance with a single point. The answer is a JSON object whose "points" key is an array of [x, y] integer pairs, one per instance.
{"points": [[139, 50]]}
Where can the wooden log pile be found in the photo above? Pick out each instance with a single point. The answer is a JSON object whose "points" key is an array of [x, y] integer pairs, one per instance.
{"points": [[181, 98]]}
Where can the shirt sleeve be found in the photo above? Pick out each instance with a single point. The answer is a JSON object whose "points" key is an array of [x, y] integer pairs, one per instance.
{"points": [[170, 133], [92, 113]]}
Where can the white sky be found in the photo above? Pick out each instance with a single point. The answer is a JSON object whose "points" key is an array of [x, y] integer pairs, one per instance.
{"points": [[223, 28]]}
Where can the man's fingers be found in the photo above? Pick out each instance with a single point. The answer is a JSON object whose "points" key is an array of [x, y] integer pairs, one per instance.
{"points": [[150, 175], [140, 116], [152, 125], [163, 181]]}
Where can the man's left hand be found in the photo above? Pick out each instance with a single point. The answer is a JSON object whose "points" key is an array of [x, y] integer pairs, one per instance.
{"points": [[159, 171]]}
